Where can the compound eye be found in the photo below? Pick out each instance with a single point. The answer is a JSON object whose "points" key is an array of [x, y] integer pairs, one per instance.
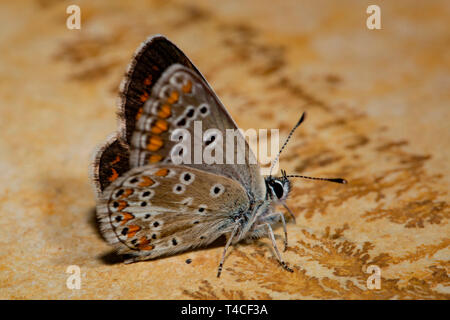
{"points": [[278, 189]]}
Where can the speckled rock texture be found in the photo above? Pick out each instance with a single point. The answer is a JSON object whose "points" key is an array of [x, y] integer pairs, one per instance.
{"points": [[378, 115]]}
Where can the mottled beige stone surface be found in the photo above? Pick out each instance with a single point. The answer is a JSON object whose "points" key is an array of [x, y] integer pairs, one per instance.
{"points": [[378, 115]]}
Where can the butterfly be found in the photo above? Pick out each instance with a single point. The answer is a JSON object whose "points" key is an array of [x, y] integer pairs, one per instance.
{"points": [[148, 206]]}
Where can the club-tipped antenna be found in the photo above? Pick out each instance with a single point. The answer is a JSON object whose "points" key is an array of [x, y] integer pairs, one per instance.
{"points": [[302, 118], [336, 180]]}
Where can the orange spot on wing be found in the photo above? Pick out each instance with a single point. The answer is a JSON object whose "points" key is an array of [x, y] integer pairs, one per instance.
{"points": [[117, 159], [173, 97], [148, 80], [155, 143], [144, 240], [187, 87], [132, 230], [122, 205], [127, 193], [159, 126], [165, 111], [144, 244], [162, 172], [127, 217], [139, 114], [144, 97], [155, 158], [147, 182], [114, 175]]}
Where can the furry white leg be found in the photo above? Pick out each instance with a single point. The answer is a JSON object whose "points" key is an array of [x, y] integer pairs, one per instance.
{"points": [[290, 212], [233, 233], [274, 244], [283, 221]]}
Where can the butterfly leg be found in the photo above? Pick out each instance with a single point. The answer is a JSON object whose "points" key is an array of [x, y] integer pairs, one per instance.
{"points": [[274, 244], [290, 212], [233, 233], [283, 221]]}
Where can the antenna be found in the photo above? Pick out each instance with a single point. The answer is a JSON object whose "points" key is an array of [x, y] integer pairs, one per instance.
{"points": [[336, 180], [302, 118]]}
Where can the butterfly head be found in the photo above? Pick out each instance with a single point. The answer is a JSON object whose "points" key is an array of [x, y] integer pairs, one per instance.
{"points": [[278, 187]]}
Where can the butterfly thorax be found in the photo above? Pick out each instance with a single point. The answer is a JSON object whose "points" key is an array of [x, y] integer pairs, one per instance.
{"points": [[261, 212]]}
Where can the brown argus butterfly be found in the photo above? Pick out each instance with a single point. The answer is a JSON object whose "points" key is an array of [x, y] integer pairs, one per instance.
{"points": [[148, 205]]}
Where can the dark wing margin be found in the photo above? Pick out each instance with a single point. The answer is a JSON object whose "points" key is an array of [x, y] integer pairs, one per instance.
{"points": [[111, 160], [150, 60]]}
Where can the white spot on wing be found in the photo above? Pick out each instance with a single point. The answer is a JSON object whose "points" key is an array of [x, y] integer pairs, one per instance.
{"points": [[187, 201], [187, 177], [165, 92], [179, 188], [203, 110], [216, 190], [202, 208]]}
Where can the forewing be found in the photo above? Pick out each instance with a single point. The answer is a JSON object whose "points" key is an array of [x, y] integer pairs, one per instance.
{"points": [[149, 62], [162, 209], [181, 99]]}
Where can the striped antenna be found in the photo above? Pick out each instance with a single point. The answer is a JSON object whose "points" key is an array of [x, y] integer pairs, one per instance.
{"points": [[336, 180], [302, 118]]}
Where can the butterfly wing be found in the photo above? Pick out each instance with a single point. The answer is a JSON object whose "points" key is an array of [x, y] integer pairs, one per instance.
{"points": [[111, 160], [181, 99], [149, 62], [149, 67], [162, 209]]}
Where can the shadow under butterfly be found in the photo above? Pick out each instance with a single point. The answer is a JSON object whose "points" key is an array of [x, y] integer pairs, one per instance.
{"points": [[147, 206]]}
